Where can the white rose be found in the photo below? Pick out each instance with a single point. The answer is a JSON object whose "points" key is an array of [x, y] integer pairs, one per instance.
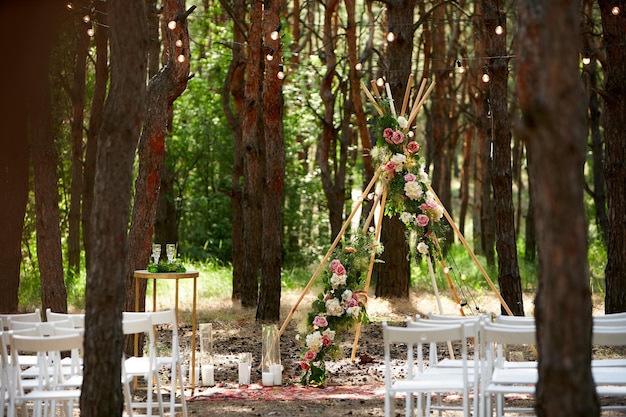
{"points": [[338, 280], [314, 341], [422, 248], [402, 122], [334, 307], [399, 160], [354, 311], [329, 333], [413, 190], [406, 217], [347, 294]]}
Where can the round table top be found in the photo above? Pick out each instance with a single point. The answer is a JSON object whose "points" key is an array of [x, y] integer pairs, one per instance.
{"points": [[143, 273]]}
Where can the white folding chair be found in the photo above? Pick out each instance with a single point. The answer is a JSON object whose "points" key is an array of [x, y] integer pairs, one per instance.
{"points": [[33, 317], [174, 362], [4, 372], [500, 377], [142, 367], [77, 320], [49, 389], [609, 375], [421, 380]]}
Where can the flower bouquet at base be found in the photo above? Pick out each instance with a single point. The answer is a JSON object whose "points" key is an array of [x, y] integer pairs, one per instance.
{"points": [[339, 306]]}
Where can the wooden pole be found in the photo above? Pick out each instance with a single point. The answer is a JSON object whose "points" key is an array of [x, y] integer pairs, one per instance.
{"points": [[450, 284], [471, 252], [379, 226], [330, 251], [407, 93]]}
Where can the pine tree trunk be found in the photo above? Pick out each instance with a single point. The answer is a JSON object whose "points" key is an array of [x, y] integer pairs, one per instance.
{"points": [[554, 129], [106, 277]]}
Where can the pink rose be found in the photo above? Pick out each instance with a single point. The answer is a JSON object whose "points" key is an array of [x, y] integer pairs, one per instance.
{"points": [[429, 205], [390, 167], [349, 249], [326, 341], [320, 321], [413, 146], [305, 365], [397, 137], [310, 355], [422, 220], [409, 177], [388, 133], [351, 302], [333, 265], [340, 270]]}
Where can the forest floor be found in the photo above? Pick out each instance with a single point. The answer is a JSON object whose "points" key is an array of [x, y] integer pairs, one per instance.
{"points": [[235, 330]]}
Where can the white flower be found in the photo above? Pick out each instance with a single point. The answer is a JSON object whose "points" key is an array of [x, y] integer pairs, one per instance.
{"points": [[354, 311], [334, 307], [314, 341], [422, 248], [429, 195], [402, 122], [413, 190], [329, 333], [338, 280], [347, 294], [399, 160], [406, 217]]}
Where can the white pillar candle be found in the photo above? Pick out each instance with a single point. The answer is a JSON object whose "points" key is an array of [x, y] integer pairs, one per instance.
{"points": [[277, 372], [208, 375], [244, 373], [268, 379]]}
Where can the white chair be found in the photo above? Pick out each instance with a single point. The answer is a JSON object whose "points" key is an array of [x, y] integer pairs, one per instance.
{"points": [[33, 317], [420, 379], [452, 364], [49, 389], [500, 377], [174, 361], [76, 319], [4, 372], [609, 375], [142, 367]]}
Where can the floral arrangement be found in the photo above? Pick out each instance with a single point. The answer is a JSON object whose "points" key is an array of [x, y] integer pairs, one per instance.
{"points": [[166, 267], [402, 173], [339, 306]]}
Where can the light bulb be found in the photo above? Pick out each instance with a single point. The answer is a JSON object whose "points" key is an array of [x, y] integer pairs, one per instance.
{"points": [[269, 57], [586, 60], [461, 69], [380, 82], [274, 35], [391, 37], [86, 18], [179, 43], [358, 66], [280, 75], [70, 6], [181, 58], [171, 25], [486, 78], [499, 30], [615, 10], [90, 32]]}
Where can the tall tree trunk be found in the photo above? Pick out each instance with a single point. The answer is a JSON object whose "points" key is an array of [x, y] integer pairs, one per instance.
{"points": [[501, 178], [34, 45], [101, 37], [163, 89], [253, 147], [44, 156], [268, 308], [393, 276], [106, 277], [332, 169], [614, 33], [553, 126], [76, 191], [234, 86]]}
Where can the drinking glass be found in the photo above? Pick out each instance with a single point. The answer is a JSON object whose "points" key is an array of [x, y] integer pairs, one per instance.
{"points": [[156, 252], [170, 250]]}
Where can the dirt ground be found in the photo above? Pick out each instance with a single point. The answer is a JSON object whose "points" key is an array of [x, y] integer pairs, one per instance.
{"points": [[236, 331]]}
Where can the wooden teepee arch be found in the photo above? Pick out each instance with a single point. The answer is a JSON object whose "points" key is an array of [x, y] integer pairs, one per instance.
{"points": [[380, 202]]}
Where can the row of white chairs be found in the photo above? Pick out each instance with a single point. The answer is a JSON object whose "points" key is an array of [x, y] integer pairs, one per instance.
{"points": [[35, 375], [488, 375]]}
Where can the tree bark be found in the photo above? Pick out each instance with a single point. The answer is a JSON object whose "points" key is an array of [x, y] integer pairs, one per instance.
{"points": [[106, 277], [163, 89], [553, 126], [101, 37], [254, 152], [614, 94], [501, 178], [268, 308], [44, 156]]}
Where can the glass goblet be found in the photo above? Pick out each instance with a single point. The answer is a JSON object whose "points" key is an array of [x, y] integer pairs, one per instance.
{"points": [[170, 250], [156, 252]]}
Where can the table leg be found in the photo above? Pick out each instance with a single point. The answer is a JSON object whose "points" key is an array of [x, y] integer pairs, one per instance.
{"points": [[193, 333]]}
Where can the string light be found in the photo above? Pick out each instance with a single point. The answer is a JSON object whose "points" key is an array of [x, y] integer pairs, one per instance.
{"points": [[586, 59], [391, 37], [486, 78], [90, 32], [179, 43], [69, 6], [275, 35], [171, 24], [380, 82], [615, 10], [86, 18], [181, 58], [280, 75], [358, 66], [460, 66], [499, 29], [270, 56]]}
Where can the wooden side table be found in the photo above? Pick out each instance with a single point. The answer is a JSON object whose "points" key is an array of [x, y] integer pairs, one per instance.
{"points": [[155, 276]]}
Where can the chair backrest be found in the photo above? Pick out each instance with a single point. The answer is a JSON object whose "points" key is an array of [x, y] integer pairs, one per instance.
{"points": [[6, 319], [514, 320], [609, 335], [493, 336], [610, 321], [77, 319]]}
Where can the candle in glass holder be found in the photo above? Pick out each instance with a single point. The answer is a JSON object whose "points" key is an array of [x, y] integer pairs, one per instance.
{"points": [[277, 372], [268, 379], [208, 375]]}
